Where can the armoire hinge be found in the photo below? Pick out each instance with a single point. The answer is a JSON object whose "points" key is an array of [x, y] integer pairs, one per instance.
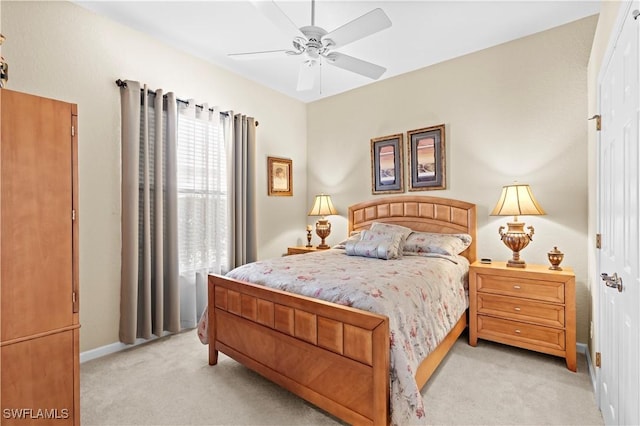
{"points": [[598, 359], [73, 214], [73, 297], [73, 130]]}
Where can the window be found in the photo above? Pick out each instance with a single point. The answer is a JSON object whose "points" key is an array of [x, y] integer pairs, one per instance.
{"points": [[202, 192]]}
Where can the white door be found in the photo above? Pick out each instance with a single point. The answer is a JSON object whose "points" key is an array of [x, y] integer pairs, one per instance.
{"points": [[619, 257]]}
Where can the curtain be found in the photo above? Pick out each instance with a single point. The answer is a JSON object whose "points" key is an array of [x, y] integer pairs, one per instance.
{"points": [[149, 302], [188, 207], [203, 216], [240, 132]]}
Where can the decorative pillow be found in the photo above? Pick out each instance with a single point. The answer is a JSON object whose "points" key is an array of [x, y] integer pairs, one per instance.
{"points": [[387, 246], [427, 242], [354, 235], [387, 228]]}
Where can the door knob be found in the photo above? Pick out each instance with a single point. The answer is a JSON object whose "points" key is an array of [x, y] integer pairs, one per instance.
{"points": [[613, 281]]}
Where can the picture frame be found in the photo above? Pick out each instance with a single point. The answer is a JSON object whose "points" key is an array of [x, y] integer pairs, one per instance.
{"points": [[386, 164], [280, 177], [426, 152]]}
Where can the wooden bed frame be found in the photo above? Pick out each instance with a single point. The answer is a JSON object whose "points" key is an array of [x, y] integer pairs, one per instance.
{"points": [[333, 356]]}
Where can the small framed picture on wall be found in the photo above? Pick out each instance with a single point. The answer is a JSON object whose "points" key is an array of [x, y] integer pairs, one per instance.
{"points": [[280, 172], [426, 158], [386, 164]]}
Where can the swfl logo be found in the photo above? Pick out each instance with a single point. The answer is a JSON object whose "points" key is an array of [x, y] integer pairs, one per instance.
{"points": [[35, 413]]}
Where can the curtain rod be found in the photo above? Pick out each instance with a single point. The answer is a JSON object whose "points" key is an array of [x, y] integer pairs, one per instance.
{"points": [[122, 83]]}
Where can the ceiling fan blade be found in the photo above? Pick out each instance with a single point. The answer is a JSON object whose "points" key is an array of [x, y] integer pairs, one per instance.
{"points": [[356, 65], [367, 24], [306, 76], [273, 13], [267, 54]]}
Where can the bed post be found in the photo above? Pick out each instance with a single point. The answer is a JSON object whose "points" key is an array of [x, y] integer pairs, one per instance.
{"points": [[211, 329], [381, 374]]}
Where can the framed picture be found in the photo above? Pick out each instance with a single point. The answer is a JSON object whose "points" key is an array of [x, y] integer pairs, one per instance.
{"points": [[386, 165], [280, 172], [426, 158]]}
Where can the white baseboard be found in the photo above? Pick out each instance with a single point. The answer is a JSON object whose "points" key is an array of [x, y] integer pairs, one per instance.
{"points": [[592, 371], [113, 348], [581, 347]]}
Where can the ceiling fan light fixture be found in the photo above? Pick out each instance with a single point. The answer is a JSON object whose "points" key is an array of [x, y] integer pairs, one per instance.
{"points": [[299, 43], [327, 43]]}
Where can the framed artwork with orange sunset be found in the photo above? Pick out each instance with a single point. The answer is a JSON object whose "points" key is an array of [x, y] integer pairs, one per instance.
{"points": [[426, 148], [386, 164]]}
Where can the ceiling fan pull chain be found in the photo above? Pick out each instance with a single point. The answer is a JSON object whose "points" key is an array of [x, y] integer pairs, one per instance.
{"points": [[320, 78]]}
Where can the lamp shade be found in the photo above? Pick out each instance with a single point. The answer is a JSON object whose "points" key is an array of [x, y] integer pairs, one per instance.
{"points": [[517, 200], [322, 206]]}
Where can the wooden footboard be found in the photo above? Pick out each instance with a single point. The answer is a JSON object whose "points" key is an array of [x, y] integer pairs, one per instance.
{"points": [[333, 356]]}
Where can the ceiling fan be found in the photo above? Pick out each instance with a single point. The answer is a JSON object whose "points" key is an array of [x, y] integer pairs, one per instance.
{"points": [[315, 44]]}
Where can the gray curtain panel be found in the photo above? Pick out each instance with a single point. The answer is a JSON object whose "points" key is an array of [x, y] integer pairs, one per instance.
{"points": [[149, 301], [244, 247]]}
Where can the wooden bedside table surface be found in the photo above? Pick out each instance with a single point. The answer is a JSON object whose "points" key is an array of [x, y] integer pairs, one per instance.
{"points": [[302, 250], [530, 269], [532, 308]]}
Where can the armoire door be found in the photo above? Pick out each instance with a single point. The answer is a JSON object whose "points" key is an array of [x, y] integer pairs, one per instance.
{"points": [[38, 381], [39, 327], [36, 160]]}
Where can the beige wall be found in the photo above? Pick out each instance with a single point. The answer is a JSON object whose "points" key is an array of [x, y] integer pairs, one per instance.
{"points": [[512, 112], [515, 111], [609, 11], [62, 51]]}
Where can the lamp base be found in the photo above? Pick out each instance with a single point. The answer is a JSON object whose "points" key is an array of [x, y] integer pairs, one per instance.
{"points": [[516, 263], [516, 239], [323, 229]]}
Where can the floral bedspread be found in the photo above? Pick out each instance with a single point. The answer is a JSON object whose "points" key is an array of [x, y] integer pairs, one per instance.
{"points": [[423, 296]]}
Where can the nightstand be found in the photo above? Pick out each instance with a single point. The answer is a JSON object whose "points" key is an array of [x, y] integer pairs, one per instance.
{"points": [[532, 308], [302, 250]]}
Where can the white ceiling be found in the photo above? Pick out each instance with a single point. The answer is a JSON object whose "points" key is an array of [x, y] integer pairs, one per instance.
{"points": [[422, 32]]}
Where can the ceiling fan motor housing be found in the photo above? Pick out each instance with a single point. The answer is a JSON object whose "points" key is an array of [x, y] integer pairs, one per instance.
{"points": [[314, 46]]}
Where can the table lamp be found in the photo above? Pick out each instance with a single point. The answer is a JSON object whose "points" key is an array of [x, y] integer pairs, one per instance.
{"points": [[516, 200], [323, 206]]}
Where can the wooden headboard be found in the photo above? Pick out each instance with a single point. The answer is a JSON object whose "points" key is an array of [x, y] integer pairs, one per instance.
{"points": [[420, 213]]}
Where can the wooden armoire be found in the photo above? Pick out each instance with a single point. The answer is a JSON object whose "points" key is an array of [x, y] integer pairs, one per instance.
{"points": [[39, 316]]}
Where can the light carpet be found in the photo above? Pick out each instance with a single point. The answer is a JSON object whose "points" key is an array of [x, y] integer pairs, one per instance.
{"points": [[169, 382]]}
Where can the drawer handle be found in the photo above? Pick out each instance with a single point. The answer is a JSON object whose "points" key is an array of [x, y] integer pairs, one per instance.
{"points": [[517, 287], [518, 331], [517, 309]]}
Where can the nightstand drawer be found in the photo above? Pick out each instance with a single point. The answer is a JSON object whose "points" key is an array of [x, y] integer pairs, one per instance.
{"points": [[550, 291], [513, 332], [521, 309]]}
